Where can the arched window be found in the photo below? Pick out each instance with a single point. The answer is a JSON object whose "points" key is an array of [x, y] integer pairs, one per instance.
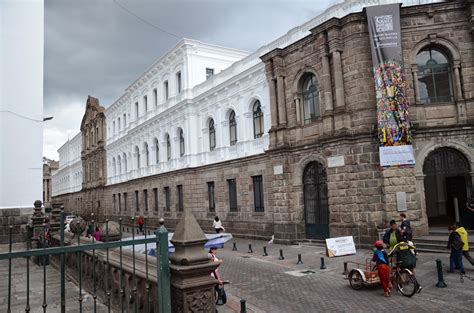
{"points": [[137, 152], [119, 163], [232, 128], [212, 135], [310, 100], [434, 76], [257, 120], [181, 143], [157, 151], [113, 167], [147, 155], [168, 147], [125, 162]]}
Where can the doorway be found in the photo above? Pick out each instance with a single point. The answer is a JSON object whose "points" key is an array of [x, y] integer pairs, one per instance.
{"points": [[316, 201], [446, 179]]}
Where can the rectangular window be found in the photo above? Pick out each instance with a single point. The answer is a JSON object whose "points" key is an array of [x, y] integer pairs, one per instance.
{"points": [[155, 97], [178, 81], [120, 202], [258, 193], [209, 73], [210, 194], [232, 195], [165, 84], [113, 202], [167, 199], [136, 110], [125, 201], [179, 191], [137, 203], [145, 103], [155, 198], [145, 199]]}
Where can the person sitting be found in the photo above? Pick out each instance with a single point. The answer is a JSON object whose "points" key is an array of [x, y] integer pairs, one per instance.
{"points": [[405, 254], [381, 259]]}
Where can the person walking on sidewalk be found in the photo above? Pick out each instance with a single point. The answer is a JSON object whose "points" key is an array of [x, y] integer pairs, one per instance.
{"points": [[140, 222], [381, 259], [455, 244], [465, 239]]}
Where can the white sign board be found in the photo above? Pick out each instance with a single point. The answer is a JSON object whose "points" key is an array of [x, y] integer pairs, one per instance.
{"points": [[278, 169], [397, 155], [401, 201], [336, 161], [340, 246]]}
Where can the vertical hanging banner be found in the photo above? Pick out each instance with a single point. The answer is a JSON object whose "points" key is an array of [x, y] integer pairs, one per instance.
{"points": [[394, 131]]}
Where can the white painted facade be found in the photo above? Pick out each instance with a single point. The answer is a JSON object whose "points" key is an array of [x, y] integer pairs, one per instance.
{"points": [[68, 177], [21, 102]]}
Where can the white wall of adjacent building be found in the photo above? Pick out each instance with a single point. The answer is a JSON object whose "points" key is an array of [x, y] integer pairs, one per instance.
{"points": [[68, 177], [21, 102]]}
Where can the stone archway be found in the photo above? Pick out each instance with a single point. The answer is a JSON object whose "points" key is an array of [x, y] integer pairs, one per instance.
{"points": [[447, 180]]}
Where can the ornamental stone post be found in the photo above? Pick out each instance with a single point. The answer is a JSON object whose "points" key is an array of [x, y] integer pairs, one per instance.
{"points": [[55, 220], [37, 220], [192, 286]]}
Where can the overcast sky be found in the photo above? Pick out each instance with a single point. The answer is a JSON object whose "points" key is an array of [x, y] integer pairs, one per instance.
{"points": [[95, 47]]}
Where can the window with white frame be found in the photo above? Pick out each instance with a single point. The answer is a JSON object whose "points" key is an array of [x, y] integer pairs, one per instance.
{"points": [[181, 143], [166, 89], [257, 120], [145, 103], [178, 82], [232, 128], [209, 73], [168, 147], [212, 135], [155, 97]]}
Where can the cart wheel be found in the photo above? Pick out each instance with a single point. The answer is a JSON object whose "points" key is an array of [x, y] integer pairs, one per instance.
{"points": [[355, 280], [406, 283]]}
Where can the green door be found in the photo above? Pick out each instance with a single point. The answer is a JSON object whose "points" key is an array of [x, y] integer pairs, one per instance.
{"points": [[316, 201]]}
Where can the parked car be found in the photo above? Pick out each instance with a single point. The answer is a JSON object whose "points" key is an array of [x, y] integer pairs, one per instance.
{"points": [[69, 218]]}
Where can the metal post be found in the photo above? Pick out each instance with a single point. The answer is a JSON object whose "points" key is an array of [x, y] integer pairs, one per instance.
{"points": [[9, 310], [44, 270], [250, 249], [147, 283], [134, 290], [440, 283], [107, 283], [62, 265], [122, 291], [79, 272], [299, 260], [163, 270], [234, 248], [94, 295], [28, 247], [281, 255], [345, 269], [243, 307], [323, 266], [265, 251]]}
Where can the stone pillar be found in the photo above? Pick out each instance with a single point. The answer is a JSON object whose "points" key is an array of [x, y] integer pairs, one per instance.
{"points": [[192, 286], [457, 84], [298, 110], [327, 84], [338, 81], [37, 220], [273, 103], [281, 100]]}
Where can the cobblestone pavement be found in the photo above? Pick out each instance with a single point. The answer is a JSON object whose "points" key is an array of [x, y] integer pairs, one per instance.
{"points": [[266, 286], [53, 283]]}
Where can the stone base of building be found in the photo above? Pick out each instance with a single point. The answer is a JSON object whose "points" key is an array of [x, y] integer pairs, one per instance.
{"points": [[18, 220]]}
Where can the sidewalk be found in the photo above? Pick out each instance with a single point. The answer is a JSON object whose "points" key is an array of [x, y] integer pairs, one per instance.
{"points": [[272, 285]]}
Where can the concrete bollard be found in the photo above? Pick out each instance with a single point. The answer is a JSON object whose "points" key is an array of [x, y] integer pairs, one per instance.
{"points": [[250, 249], [440, 283], [243, 306], [345, 269], [281, 255], [234, 248], [265, 251], [323, 266], [299, 260]]}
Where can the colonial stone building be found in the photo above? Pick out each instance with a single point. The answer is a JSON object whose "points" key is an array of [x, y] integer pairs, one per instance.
{"points": [[314, 170]]}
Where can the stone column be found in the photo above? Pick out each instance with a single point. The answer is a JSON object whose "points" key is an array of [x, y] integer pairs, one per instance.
{"points": [[281, 100], [327, 84], [192, 286], [37, 220], [338, 81], [273, 103], [415, 85], [298, 110], [457, 84]]}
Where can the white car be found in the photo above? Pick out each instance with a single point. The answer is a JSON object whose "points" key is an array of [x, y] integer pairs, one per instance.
{"points": [[69, 218]]}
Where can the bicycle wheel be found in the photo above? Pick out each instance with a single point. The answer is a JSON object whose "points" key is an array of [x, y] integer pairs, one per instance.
{"points": [[355, 280], [406, 283]]}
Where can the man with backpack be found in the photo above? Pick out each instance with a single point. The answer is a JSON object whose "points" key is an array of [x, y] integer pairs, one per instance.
{"points": [[465, 239], [455, 244]]}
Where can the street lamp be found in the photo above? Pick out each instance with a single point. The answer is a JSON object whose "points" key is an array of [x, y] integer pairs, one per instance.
{"points": [[47, 118]]}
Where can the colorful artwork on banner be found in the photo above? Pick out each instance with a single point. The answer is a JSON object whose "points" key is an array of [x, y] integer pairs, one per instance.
{"points": [[392, 105]]}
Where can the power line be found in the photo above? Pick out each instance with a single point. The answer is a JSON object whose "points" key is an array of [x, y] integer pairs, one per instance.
{"points": [[145, 21]]}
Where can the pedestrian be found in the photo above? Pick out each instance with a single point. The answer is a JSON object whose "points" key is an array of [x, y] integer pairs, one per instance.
{"points": [[405, 228], [97, 234], [90, 230], [405, 254], [381, 259], [455, 244], [219, 287], [140, 222], [392, 236], [217, 224], [465, 239]]}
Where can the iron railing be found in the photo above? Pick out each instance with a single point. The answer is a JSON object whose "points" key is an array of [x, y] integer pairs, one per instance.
{"points": [[162, 300]]}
